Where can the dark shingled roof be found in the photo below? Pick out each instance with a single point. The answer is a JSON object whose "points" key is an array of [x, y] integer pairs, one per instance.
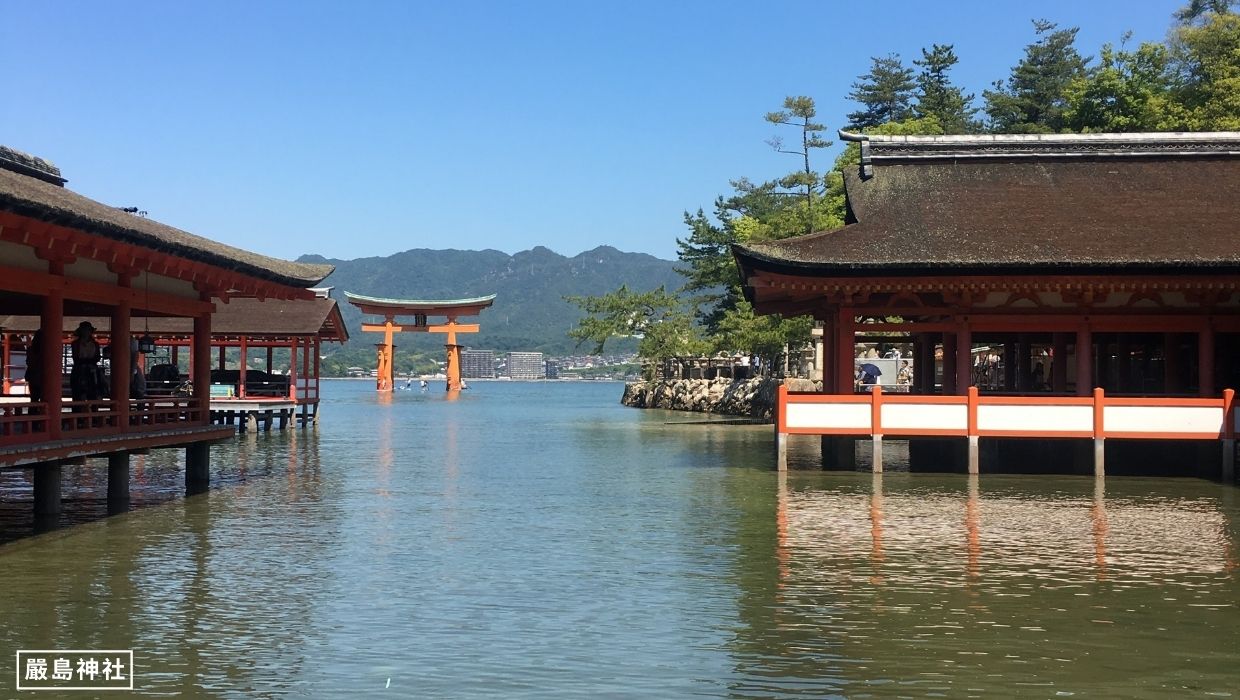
{"points": [[1068, 203], [251, 317], [28, 194]]}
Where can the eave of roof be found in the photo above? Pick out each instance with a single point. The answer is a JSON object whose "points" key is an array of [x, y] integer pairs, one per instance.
{"points": [[41, 200], [273, 318]]}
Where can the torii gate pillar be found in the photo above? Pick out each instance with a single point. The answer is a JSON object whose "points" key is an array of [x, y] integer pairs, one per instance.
{"points": [[452, 367]]}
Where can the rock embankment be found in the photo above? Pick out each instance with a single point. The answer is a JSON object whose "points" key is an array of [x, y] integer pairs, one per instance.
{"points": [[754, 398]]}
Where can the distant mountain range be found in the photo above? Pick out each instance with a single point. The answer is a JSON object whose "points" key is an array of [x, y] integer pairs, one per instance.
{"points": [[529, 311]]}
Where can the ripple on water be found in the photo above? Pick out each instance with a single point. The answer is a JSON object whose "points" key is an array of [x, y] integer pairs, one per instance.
{"points": [[538, 540]]}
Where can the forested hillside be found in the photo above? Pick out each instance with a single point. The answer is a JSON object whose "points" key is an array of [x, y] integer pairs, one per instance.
{"points": [[529, 312]]}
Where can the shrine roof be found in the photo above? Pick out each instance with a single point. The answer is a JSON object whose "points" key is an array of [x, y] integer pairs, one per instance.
{"points": [[413, 306], [32, 187], [240, 316], [935, 205]]}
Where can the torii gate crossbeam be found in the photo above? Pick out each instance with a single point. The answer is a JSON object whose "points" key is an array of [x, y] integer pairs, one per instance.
{"points": [[419, 309]]}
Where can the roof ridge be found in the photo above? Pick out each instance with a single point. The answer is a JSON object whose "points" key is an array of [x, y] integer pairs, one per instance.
{"points": [[1008, 139], [876, 148]]}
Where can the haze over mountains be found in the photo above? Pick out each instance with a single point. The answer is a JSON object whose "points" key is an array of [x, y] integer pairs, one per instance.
{"points": [[529, 312]]}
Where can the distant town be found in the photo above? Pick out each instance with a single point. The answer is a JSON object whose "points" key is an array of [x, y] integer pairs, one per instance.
{"points": [[526, 366]]}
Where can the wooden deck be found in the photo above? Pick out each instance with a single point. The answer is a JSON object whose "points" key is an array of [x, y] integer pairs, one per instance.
{"points": [[265, 412], [24, 454]]}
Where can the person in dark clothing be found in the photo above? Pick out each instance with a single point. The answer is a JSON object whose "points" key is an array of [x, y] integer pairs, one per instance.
{"points": [[34, 367], [84, 379]]}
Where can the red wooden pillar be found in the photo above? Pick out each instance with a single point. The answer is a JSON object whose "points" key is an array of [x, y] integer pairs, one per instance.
{"points": [[292, 370], [222, 366], [245, 356], [1084, 361], [829, 375], [271, 356], [122, 360], [52, 326], [176, 356], [1059, 363], [964, 359], [7, 350], [305, 358], [1205, 361], [318, 344], [845, 355], [200, 372], [949, 362]]}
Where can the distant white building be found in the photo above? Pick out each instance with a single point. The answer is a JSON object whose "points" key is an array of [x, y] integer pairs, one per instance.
{"points": [[526, 365], [478, 364]]}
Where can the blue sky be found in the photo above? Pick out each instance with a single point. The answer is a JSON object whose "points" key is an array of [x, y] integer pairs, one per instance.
{"points": [[354, 129]]}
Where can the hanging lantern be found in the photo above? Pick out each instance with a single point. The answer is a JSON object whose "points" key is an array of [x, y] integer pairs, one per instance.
{"points": [[146, 344]]}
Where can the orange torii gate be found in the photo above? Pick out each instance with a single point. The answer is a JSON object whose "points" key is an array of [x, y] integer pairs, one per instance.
{"points": [[419, 309]]}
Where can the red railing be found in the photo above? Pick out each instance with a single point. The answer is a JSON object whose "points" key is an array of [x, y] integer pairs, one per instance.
{"points": [[1096, 416], [23, 423]]}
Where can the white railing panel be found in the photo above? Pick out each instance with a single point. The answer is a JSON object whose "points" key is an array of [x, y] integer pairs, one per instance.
{"points": [[924, 416], [839, 416], [1019, 419], [1162, 419]]}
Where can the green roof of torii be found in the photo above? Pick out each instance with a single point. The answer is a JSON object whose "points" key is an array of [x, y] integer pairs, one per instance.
{"points": [[421, 306]]}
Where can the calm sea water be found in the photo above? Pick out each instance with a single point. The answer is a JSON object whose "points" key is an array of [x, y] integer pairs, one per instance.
{"points": [[540, 540]]}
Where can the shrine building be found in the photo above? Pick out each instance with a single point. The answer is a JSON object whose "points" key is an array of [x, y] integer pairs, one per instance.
{"points": [[66, 258], [1080, 291], [283, 337]]}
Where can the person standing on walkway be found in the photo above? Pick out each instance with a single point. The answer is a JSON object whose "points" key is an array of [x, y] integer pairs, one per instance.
{"points": [[84, 379], [34, 367]]}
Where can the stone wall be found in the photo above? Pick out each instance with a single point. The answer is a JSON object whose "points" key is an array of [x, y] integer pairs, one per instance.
{"points": [[754, 398]]}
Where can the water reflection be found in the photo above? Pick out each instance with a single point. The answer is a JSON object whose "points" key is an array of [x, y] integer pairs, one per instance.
{"points": [[538, 541], [924, 584], [183, 584]]}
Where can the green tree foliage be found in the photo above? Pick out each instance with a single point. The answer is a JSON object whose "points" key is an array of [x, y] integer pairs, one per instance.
{"points": [[1035, 96], [1206, 61], [767, 337], [1196, 10], [799, 111], [885, 93], [753, 213], [937, 98], [657, 317], [1127, 91]]}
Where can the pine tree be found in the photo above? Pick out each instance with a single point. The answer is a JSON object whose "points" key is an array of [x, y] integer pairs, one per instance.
{"points": [[885, 93], [1196, 10], [799, 111], [937, 97], [1035, 96]]}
